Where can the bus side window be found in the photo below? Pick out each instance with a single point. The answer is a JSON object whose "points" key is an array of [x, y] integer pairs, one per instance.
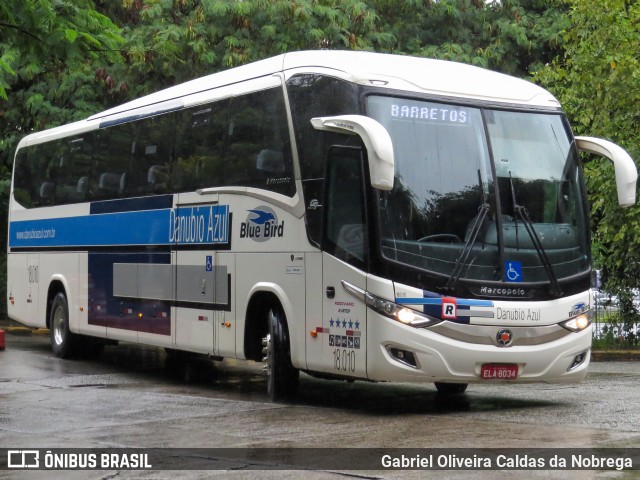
{"points": [[50, 174], [75, 169], [257, 151], [111, 156], [151, 157], [22, 189], [47, 172], [199, 147]]}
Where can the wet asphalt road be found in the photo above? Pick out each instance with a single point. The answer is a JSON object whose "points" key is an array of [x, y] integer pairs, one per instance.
{"points": [[135, 396]]}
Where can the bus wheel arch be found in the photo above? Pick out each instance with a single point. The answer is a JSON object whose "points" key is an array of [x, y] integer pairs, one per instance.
{"points": [[267, 339]]}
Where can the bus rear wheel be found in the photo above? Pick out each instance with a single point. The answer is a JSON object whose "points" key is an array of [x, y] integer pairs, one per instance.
{"points": [[63, 341], [282, 378], [451, 388]]}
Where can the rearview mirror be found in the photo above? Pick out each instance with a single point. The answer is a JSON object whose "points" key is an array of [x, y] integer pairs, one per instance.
{"points": [[625, 167], [376, 140]]}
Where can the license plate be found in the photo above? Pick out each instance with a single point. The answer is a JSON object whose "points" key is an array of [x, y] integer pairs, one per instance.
{"points": [[499, 371]]}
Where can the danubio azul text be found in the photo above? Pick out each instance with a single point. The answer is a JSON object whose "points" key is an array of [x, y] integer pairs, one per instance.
{"points": [[209, 224]]}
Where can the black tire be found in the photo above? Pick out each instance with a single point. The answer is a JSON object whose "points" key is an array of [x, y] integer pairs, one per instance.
{"points": [[451, 388], [63, 341], [282, 378]]}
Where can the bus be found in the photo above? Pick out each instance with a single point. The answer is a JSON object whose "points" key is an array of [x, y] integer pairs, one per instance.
{"points": [[351, 215]]}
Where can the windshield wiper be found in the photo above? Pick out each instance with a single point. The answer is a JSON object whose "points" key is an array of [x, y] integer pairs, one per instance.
{"points": [[483, 210], [523, 213], [468, 246]]}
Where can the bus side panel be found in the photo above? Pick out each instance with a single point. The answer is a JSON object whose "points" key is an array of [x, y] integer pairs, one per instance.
{"points": [[194, 323], [22, 289], [269, 244], [114, 299], [224, 300], [85, 284], [274, 272], [61, 268], [315, 296]]}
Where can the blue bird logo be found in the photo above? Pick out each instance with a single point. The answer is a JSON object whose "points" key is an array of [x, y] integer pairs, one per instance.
{"points": [[262, 217]]}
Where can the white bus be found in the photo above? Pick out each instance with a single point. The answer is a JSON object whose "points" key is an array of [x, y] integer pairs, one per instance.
{"points": [[351, 215]]}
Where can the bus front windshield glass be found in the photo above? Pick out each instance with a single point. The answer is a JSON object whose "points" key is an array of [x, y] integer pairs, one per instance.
{"points": [[448, 214]]}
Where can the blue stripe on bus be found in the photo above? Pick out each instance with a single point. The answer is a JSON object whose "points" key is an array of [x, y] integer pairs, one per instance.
{"points": [[463, 302], [209, 224]]}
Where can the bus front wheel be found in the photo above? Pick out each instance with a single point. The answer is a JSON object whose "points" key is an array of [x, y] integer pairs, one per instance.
{"points": [[62, 339], [282, 378]]}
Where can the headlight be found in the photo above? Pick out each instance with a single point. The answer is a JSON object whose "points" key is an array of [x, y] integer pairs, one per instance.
{"points": [[577, 324], [391, 310]]}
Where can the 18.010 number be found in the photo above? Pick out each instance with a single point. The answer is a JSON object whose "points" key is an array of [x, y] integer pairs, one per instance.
{"points": [[344, 360]]}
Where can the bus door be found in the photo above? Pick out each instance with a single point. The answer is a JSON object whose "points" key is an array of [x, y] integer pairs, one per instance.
{"points": [[344, 258], [196, 268]]}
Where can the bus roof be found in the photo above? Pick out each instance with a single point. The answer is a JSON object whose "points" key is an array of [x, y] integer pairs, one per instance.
{"points": [[395, 72], [438, 77]]}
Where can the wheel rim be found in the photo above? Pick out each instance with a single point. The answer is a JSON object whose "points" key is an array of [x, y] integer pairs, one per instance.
{"points": [[58, 326], [267, 355]]}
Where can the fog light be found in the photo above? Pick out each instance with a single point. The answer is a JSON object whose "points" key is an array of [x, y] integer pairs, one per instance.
{"points": [[578, 360], [403, 356]]}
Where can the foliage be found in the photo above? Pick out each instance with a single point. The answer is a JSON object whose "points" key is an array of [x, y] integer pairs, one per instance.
{"points": [[596, 82], [168, 42], [50, 51], [511, 36]]}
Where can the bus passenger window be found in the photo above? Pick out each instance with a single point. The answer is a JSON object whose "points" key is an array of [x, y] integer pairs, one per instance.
{"points": [[44, 174], [151, 155], [199, 147], [74, 169], [111, 157], [257, 151]]}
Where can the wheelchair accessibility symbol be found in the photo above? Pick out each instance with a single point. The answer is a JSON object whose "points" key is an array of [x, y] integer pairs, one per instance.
{"points": [[512, 271]]}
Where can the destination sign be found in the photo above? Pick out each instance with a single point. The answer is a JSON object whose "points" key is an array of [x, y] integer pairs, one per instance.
{"points": [[442, 114]]}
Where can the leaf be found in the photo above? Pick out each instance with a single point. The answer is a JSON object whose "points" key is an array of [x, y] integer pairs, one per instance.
{"points": [[71, 35]]}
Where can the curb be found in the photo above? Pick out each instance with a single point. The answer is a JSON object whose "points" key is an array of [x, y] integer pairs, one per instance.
{"points": [[615, 355], [26, 331]]}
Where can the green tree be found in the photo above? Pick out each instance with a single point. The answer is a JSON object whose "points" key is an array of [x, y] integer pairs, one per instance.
{"points": [[597, 81], [168, 42], [50, 54], [512, 36]]}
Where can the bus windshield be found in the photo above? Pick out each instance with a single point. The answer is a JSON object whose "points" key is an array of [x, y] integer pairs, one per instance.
{"points": [[482, 195]]}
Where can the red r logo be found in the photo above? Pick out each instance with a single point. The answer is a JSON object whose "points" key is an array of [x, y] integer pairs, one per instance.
{"points": [[449, 308]]}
